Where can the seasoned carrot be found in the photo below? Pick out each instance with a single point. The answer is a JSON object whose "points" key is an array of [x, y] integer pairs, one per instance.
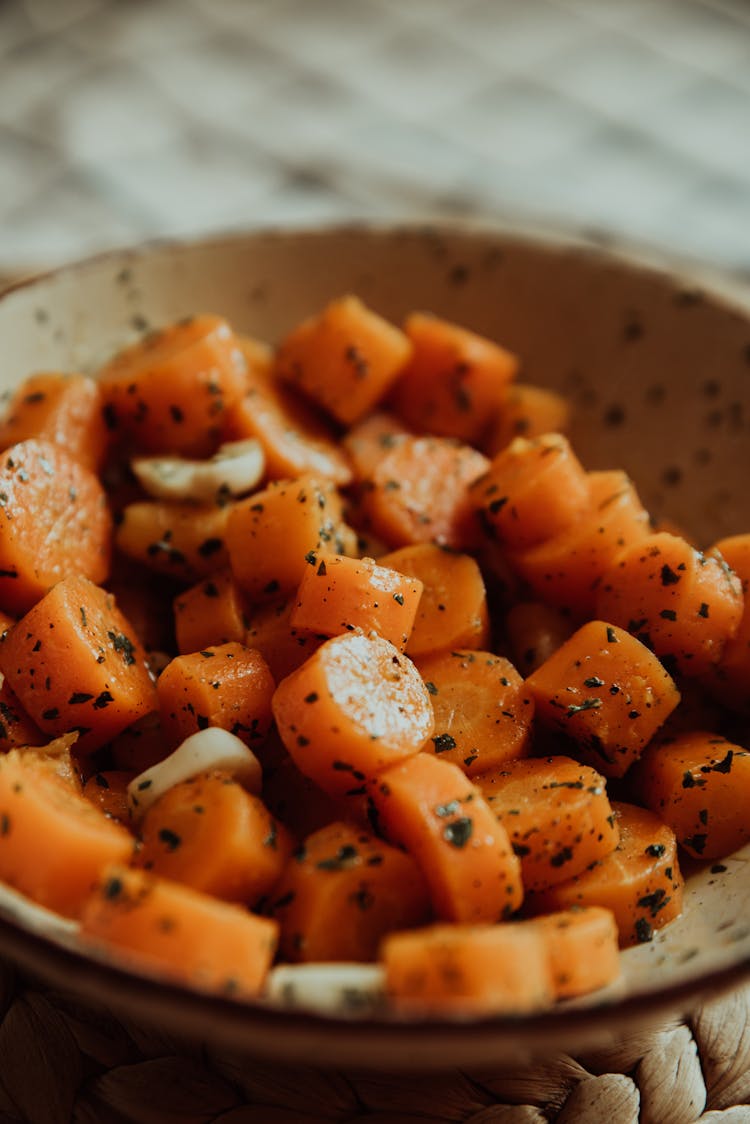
{"points": [[468, 970], [431, 808], [527, 411], [728, 679], [108, 791], [681, 603], [63, 409], [454, 381], [453, 610], [345, 359], [557, 815], [342, 892], [209, 833], [53, 842], [211, 612], [582, 948], [419, 492], [354, 707], [168, 392], [370, 440], [75, 664], [269, 629], [16, 728], [699, 784], [54, 521], [640, 881], [566, 570], [341, 594], [179, 540], [535, 631], [179, 933], [483, 712], [532, 491], [227, 685], [145, 599], [607, 692]]}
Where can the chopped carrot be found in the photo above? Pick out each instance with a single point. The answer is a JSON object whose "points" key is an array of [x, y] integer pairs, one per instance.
{"points": [[606, 691], [179, 933], [16, 728], [145, 599], [527, 411], [269, 629], [179, 540], [370, 440], [483, 712], [582, 947], [211, 612], [728, 679], [63, 409], [108, 791], [345, 359], [535, 631]]}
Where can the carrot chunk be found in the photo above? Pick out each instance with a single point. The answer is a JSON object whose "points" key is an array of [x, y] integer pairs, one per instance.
{"points": [[63, 409], [353, 708], [369, 441], [535, 631], [557, 814], [75, 664], [179, 933], [179, 540], [108, 791], [345, 359], [270, 630], [728, 679], [482, 710], [582, 948], [211, 612], [527, 411], [430, 807], [16, 728], [607, 692]]}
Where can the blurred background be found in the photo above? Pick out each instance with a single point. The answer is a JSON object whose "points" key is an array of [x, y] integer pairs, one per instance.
{"points": [[126, 119]]}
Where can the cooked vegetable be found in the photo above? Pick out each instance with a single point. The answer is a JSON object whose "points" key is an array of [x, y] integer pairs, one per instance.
{"points": [[63, 409], [233, 470], [178, 540], [211, 612], [535, 631], [270, 630], [728, 679], [582, 948], [527, 411], [108, 791]]}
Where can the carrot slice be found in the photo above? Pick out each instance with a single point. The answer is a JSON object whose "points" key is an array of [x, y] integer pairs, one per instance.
{"points": [[54, 521], [53, 842], [179, 540], [640, 881], [728, 679], [454, 381], [352, 709], [430, 807], [582, 948], [167, 393], [482, 710], [270, 630], [345, 359], [453, 610], [75, 664], [211, 612], [108, 791], [527, 411], [681, 603], [557, 815], [535, 631], [63, 409], [178, 933], [699, 784], [341, 594], [342, 892], [227, 685], [607, 692]]}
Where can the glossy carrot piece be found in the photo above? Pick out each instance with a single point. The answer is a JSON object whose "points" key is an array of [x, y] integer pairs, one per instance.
{"points": [[454, 381], [527, 411], [211, 612], [557, 815], [452, 611], [582, 945], [63, 409], [108, 791], [178, 933], [607, 693], [483, 713], [431, 808], [179, 540], [345, 358], [535, 631], [284, 647], [356, 706], [370, 440], [681, 603], [728, 679]]}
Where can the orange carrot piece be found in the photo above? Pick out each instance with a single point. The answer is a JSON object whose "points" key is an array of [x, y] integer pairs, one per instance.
{"points": [[699, 784], [345, 359], [167, 393], [227, 685], [468, 970], [557, 815], [75, 664], [420, 492], [640, 881], [341, 594], [53, 843], [54, 521], [607, 692], [177, 933], [681, 603], [269, 629], [535, 631], [353, 708], [728, 679], [582, 945], [454, 381], [566, 570], [179, 540], [431, 808], [108, 791], [63, 409], [370, 440], [211, 612], [209, 833], [16, 728], [453, 610], [483, 712], [532, 491], [527, 411], [342, 892]]}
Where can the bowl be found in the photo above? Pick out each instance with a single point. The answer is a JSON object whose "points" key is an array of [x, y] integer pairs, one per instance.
{"points": [[657, 367]]}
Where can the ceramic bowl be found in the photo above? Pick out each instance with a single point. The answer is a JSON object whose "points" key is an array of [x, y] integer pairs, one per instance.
{"points": [[658, 369]]}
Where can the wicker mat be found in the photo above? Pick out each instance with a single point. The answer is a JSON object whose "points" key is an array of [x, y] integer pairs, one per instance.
{"points": [[60, 1061]]}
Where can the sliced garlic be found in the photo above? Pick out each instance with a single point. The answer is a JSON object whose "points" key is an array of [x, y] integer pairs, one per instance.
{"points": [[333, 989], [234, 469], [213, 748]]}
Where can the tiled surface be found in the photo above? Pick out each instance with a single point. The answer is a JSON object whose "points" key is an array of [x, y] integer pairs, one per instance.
{"points": [[124, 120]]}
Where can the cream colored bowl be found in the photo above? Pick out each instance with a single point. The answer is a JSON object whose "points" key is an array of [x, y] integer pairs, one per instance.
{"points": [[659, 374]]}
